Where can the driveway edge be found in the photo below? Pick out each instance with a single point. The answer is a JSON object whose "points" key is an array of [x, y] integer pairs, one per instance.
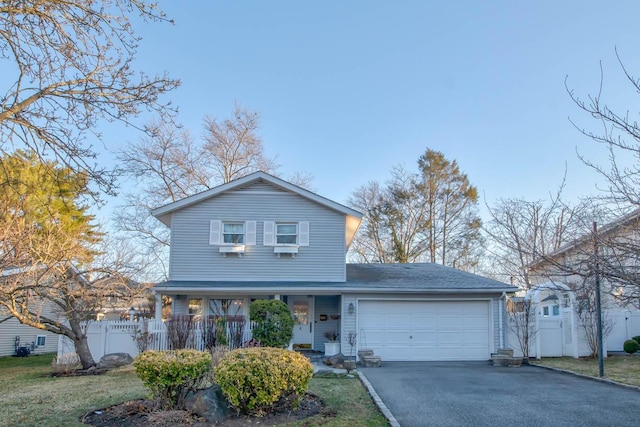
{"points": [[597, 379], [379, 403]]}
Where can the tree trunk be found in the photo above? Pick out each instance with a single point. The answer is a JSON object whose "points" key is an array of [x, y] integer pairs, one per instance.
{"points": [[82, 345], [84, 353]]}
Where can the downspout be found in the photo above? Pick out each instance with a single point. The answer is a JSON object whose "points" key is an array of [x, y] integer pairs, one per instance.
{"points": [[501, 307]]}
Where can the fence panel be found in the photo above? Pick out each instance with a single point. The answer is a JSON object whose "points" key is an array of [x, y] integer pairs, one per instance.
{"points": [[106, 337]]}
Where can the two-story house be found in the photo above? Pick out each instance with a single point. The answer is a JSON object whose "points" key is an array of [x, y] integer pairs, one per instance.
{"points": [[262, 237]]}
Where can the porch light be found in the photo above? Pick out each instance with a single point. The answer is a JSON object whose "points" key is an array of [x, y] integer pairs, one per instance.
{"points": [[352, 308]]}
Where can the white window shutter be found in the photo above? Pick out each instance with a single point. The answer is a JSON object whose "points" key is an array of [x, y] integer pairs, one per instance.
{"points": [[269, 233], [250, 233], [214, 232], [303, 230]]}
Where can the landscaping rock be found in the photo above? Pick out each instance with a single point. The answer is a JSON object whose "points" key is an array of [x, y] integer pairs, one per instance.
{"points": [[209, 404], [364, 353], [335, 361], [114, 360], [372, 361]]}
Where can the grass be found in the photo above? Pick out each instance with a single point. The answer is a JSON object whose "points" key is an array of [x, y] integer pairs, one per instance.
{"points": [[31, 397], [623, 369], [347, 403]]}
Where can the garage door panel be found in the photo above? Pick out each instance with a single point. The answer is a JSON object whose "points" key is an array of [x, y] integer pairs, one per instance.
{"points": [[426, 330]]}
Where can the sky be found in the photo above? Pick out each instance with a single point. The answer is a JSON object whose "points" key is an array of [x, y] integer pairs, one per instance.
{"points": [[349, 89]]}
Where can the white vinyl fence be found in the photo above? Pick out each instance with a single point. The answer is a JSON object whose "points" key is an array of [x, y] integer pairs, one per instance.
{"points": [[556, 337], [107, 337]]}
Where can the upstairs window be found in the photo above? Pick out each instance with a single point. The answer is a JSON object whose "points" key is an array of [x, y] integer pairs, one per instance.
{"points": [[286, 234], [233, 233]]}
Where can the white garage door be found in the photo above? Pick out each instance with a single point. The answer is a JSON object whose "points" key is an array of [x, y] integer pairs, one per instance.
{"points": [[425, 330]]}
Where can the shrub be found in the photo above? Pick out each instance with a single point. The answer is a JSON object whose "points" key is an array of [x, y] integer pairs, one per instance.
{"points": [[254, 380], [172, 374], [631, 346], [179, 330], [217, 354], [274, 324], [636, 338], [66, 363]]}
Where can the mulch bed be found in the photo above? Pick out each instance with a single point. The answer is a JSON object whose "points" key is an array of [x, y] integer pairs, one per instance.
{"points": [[145, 413]]}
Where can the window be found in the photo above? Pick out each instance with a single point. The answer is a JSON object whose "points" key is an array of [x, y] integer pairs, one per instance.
{"points": [[545, 311], [233, 233], [556, 310], [41, 340], [286, 237], [195, 307], [225, 307], [286, 234]]}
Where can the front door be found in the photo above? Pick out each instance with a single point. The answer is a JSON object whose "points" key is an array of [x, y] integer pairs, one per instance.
{"points": [[302, 310]]}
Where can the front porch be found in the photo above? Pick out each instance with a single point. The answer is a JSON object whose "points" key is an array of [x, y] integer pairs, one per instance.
{"points": [[314, 316]]}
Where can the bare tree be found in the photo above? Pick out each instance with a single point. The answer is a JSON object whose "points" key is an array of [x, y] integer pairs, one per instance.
{"points": [[394, 220], [522, 322], [620, 134], [169, 165], [521, 231], [72, 63], [74, 294], [233, 148], [426, 216]]}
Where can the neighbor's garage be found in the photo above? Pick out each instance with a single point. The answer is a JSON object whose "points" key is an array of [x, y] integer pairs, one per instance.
{"points": [[425, 330]]}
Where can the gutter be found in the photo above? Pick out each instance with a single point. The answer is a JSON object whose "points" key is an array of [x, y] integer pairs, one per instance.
{"points": [[328, 290]]}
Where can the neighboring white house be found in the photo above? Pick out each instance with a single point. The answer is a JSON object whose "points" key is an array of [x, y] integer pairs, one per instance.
{"points": [[260, 237]]}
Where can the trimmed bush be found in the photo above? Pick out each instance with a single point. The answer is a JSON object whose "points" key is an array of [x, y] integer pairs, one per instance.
{"points": [[636, 338], [254, 380], [172, 374], [631, 346], [274, 323]]}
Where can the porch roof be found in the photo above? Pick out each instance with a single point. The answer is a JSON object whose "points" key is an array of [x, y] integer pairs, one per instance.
{"points": [[376, 278]]}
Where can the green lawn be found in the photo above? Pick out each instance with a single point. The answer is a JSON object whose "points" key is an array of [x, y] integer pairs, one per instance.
{"points": [[623, 369], [29, 396]]}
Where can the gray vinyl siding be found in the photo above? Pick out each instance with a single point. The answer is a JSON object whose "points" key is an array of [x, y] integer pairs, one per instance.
{"points": [[349, 320], [192, 258], [11, 328], [326, 305]]}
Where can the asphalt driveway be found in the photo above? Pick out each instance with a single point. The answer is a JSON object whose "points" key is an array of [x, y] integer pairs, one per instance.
{"points": [[478, 394]]}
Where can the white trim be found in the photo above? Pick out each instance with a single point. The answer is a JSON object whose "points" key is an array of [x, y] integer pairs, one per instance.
{"points": [[215, 235], [269, 233], [250, 230], [303, 233], [231, 249], [285, 249]]}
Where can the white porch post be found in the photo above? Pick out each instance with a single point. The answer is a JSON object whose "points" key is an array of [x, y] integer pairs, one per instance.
{"points": [[158, 298], [276, 297]]}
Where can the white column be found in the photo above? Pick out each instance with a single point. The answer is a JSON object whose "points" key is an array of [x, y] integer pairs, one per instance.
{"points": [[276, 297], [158, 298]]}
